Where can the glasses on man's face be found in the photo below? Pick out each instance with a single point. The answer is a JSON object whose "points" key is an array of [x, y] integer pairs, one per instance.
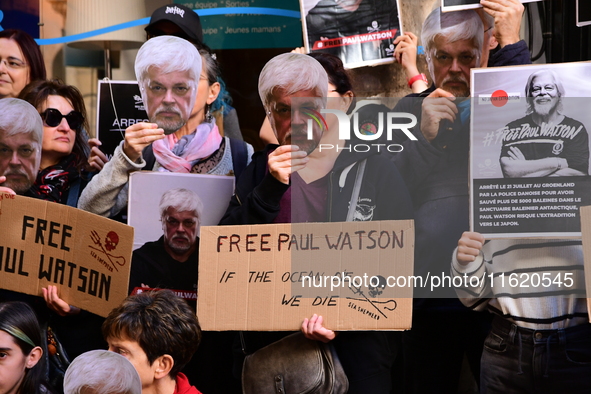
{"points": [[285, 111], [445, 59], [53, 117], [187, 223], [13, 63]]}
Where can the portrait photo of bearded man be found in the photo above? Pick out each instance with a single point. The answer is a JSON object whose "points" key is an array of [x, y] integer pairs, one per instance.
{"points": [[544, 142]]}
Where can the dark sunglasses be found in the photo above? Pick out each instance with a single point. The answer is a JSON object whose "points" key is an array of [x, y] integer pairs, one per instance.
{"points": [[53, 118]]}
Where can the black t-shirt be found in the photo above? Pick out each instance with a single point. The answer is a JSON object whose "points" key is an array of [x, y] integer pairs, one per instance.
{"points": [[152, 266], [568, 140], [308, 200]]}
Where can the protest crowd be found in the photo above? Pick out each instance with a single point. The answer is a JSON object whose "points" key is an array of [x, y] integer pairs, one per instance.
{"points": [[501, 341]]}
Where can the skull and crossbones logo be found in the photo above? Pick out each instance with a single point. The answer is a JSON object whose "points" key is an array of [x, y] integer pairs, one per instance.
{"points": [[111, 240]]}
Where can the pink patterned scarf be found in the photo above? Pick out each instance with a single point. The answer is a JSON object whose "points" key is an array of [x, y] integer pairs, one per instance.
{"points": [[176, 155]]}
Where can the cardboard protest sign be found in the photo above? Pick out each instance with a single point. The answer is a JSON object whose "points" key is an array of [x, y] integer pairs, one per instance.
{"points": [[456, 5], [43, 243], [529, 156], [357, 275], [146, 189], [119, 106], [586, 236], [361, 34]]}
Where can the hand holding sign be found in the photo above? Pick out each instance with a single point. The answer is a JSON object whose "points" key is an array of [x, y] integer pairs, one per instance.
{"points": [[285, 160], [138, 136], [437, 106], [406, 54], [313, 329], [97, 159], [56, 304], [507, 14], [53, 246], [5, 189], [469, 247]]}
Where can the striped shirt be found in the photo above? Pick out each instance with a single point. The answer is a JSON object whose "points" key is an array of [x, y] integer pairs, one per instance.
{"points": [[537, 284]]}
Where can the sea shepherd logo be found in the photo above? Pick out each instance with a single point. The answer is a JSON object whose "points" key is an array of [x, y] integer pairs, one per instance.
{"points": [[366, 131]]}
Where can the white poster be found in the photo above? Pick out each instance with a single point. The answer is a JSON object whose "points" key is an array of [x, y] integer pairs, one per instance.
{"points": [[530, 149], [146, 189]]}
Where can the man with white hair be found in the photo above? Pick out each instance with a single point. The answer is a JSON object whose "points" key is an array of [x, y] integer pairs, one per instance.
{"points": [[283, 79], [172, 262], [168, 70], [544, 142], [21, 135]]}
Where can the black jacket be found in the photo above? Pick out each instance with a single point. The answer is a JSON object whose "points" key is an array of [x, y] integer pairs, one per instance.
{"points": [[258, 194], [436, 174]]}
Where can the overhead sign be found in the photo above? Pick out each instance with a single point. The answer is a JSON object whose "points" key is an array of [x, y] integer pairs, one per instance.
{"points": [[361, 33], [247, 31]]}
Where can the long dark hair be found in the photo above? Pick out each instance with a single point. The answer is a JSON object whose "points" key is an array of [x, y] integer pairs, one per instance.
{"points": [[31, 51], [337, 75], [36, 94], [18, 315]]}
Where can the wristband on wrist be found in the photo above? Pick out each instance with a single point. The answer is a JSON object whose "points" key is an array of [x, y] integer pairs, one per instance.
{"points": [[421, 77]]}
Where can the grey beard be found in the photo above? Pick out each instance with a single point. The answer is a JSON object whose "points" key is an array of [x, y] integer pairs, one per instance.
{"points": [[170, 127]]}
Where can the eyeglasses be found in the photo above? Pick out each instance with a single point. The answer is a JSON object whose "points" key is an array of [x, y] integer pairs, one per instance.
{"points": [[285, 111], [187, 223], [13, 63], [53, 118]]}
